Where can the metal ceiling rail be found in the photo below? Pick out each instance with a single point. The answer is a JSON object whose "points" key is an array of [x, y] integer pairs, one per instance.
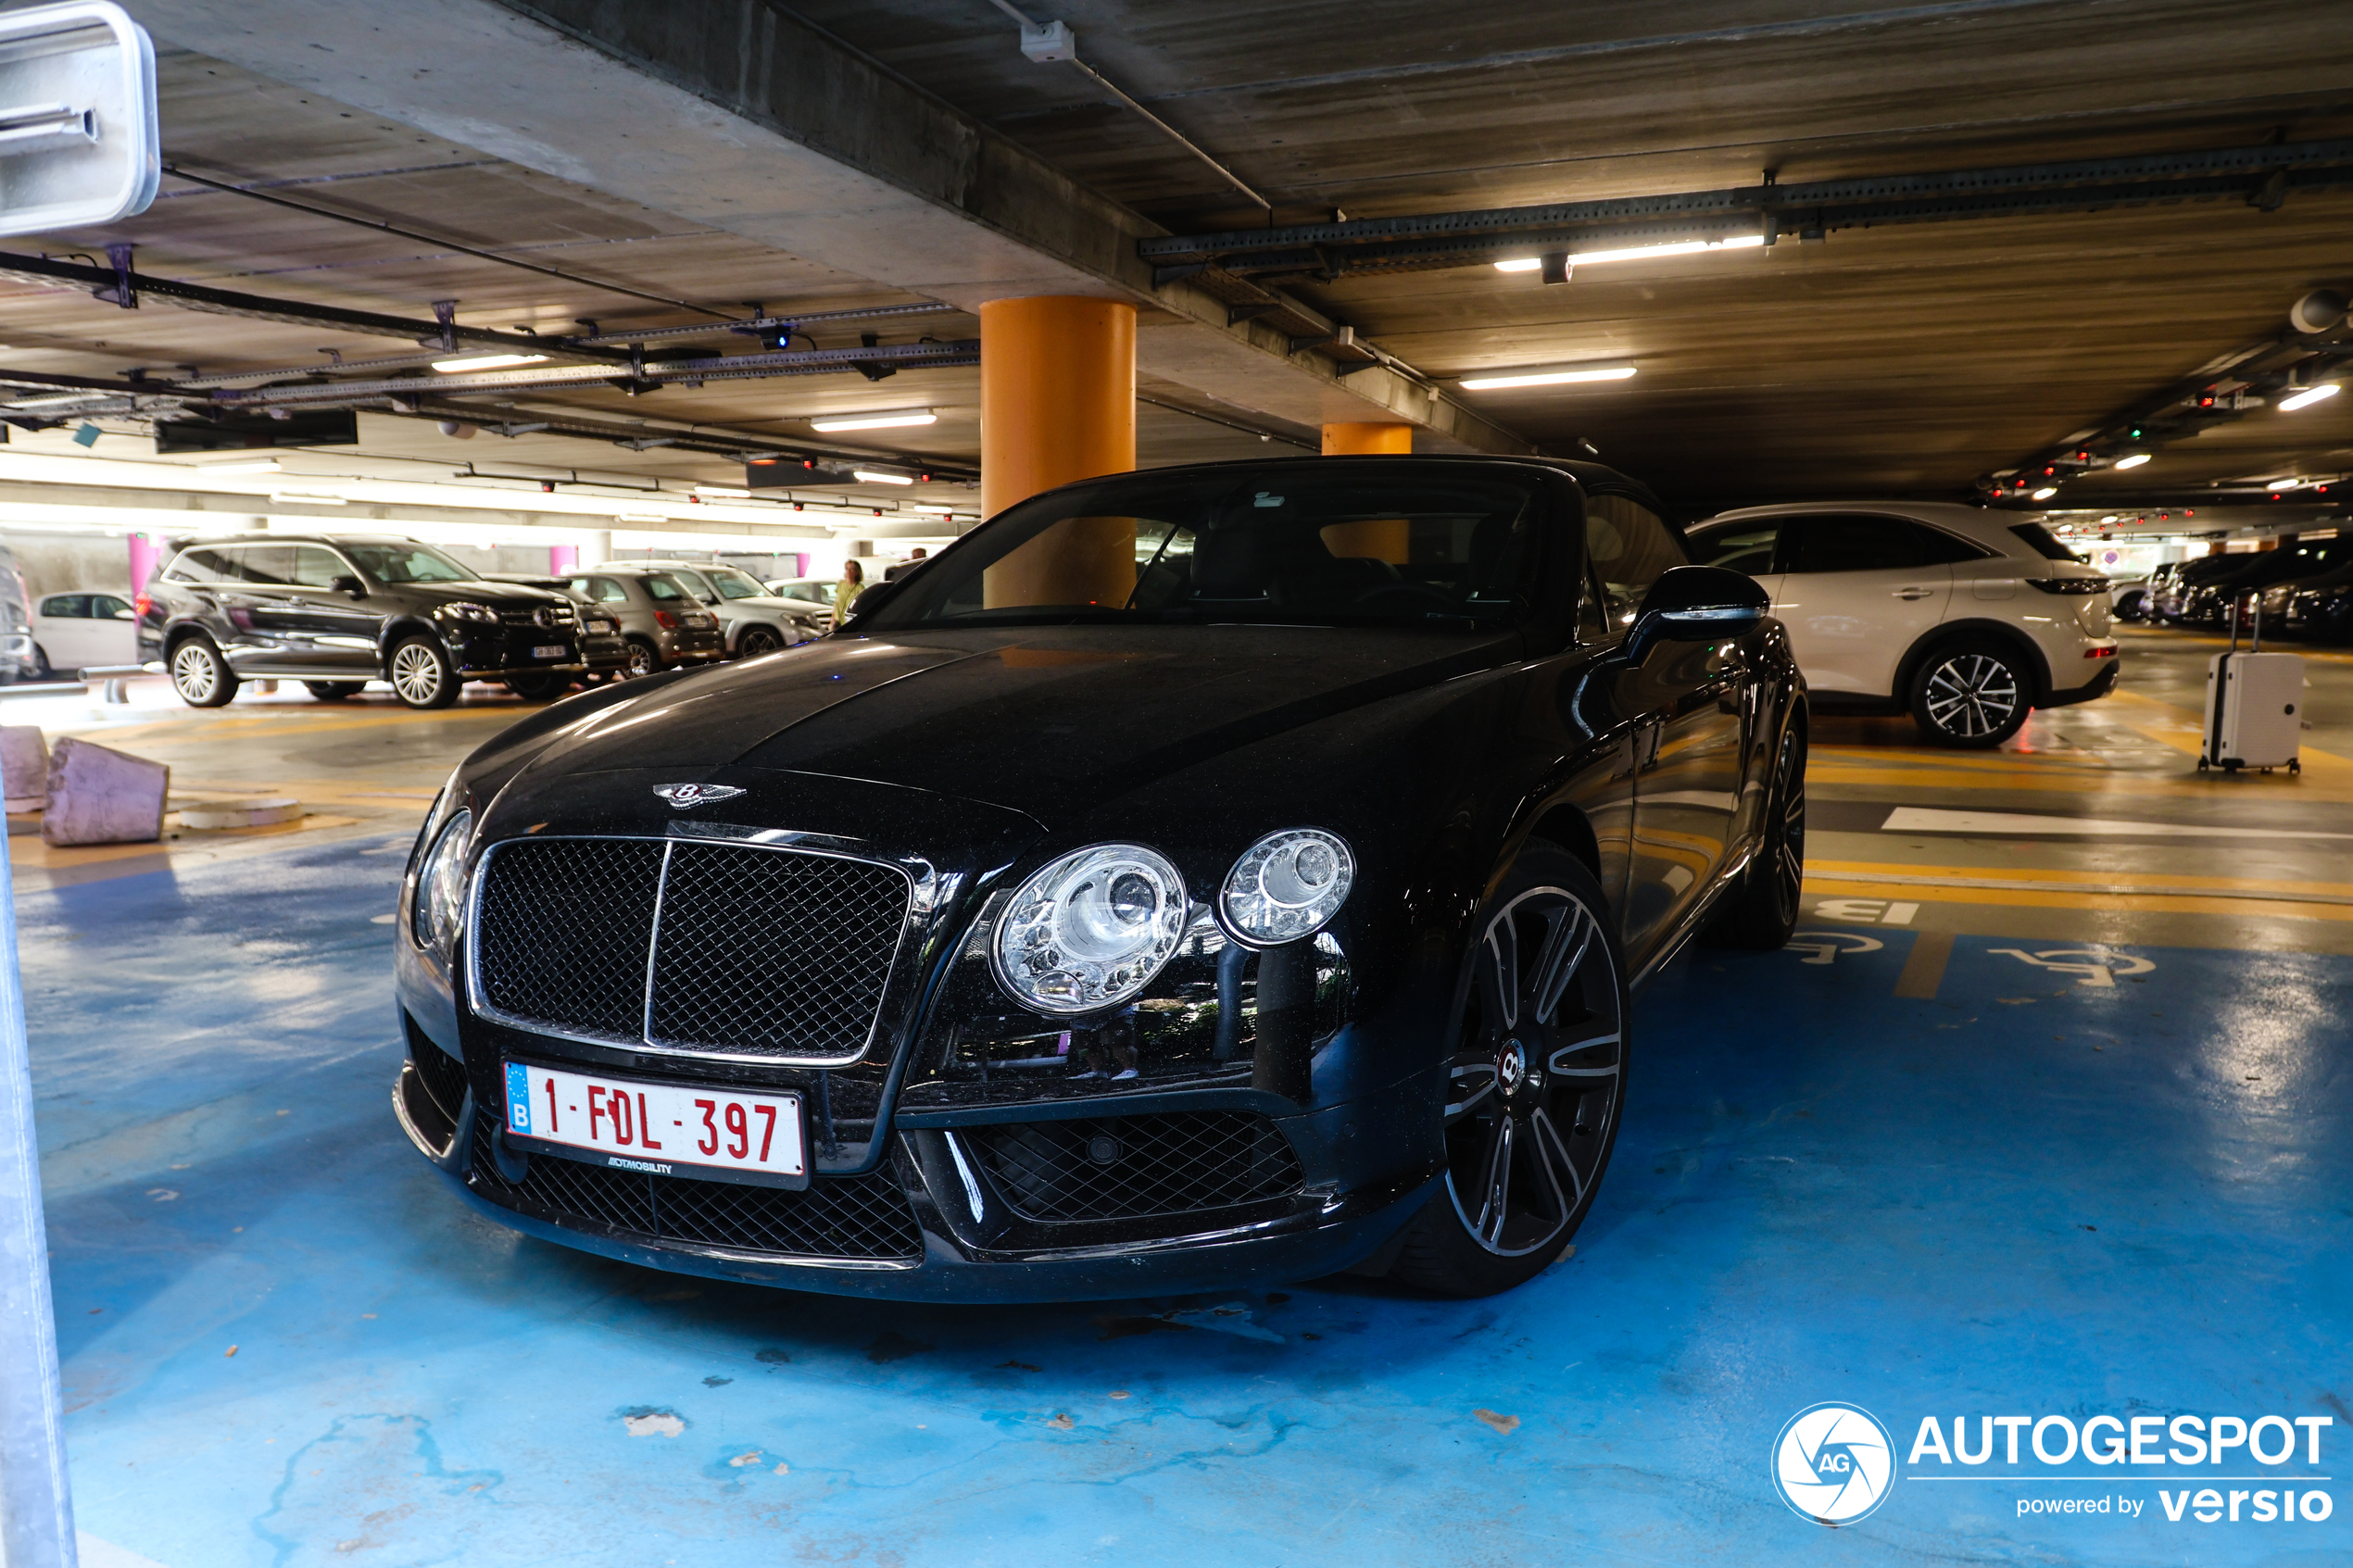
{"points": [[2265, 175], [121, 285]]}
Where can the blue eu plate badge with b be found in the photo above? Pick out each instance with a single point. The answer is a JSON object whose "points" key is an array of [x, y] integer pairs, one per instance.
{"points": [[518, 1098]]}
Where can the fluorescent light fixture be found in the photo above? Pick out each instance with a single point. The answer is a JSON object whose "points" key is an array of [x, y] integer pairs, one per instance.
{"points": [[1544, 376], [2289, 483], [1635, 253], [305, 498], [2106, 521], [487, 362], [2309, 397], [831, 423], [244, 465], [724, 491], [2135, 461], [639, 517], [2045, 494], [925, 507], [868, 476]]}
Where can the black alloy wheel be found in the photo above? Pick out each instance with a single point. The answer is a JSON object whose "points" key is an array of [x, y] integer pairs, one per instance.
{"points": [[1972, 694], [1534, 1086], [757, 640], [334, 691], [643, 659], [2129, 607], [540, 687], [1762, 911], [200, 676], [421, 674]]}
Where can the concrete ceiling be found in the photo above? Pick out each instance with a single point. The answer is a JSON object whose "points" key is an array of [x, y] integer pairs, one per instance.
{"points": [[1905, 359]]}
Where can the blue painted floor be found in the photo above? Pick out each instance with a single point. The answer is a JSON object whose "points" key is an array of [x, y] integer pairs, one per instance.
{"points": [[2029, 1195]]}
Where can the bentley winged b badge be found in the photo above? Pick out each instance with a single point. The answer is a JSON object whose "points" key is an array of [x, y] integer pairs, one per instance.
{"points": [[687, 797]]}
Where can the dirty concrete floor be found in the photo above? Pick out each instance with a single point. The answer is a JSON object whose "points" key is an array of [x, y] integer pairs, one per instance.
{"points": [[2030, 1123]]}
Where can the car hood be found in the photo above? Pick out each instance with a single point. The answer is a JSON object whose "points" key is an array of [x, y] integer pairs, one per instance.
{"points": [[767, 604], [1049, 721], [510, 594]]}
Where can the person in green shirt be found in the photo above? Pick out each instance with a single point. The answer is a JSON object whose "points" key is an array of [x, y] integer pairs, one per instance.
{"points": [[845, 592]]}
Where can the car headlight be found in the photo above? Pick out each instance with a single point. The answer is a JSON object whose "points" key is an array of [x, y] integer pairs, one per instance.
{"points": [[441, 887], [466, 609], [1091, 930], [1287, 886]]}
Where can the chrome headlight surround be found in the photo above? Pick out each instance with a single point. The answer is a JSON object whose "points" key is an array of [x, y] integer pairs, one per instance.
{"points": [[440, 902], [1091, 930], [466, 609], [1287, 887]]}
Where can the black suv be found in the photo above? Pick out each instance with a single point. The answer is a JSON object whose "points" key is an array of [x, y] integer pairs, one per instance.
{"points": [[337, 611]]}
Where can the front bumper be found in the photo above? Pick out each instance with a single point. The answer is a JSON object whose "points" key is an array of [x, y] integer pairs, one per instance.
{"points": [[488, 652], [1320, 1230]]}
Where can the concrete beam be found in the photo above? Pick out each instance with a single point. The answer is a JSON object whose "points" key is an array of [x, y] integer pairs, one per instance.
{"points": [[734, 114], [362, 517]]}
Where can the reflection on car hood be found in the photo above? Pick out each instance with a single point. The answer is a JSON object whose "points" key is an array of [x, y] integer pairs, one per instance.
{"points": [[511, 594], [1048, 721]]}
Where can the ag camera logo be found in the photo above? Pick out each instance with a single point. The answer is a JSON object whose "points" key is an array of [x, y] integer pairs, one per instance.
{"points": [[1834, 1463]]}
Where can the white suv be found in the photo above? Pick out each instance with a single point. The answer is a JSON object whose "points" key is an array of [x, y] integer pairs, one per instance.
{"points": [[1968, 617]]}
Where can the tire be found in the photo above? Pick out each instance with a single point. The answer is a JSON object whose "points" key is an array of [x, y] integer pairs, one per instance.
{"points": [[200, 676], [334, 691], [421, 673], [757, 640], [644, 659], [1761, 913], [1533, 1093], [2131, 605], [538, 688], [40, 669], [1974, 694]]}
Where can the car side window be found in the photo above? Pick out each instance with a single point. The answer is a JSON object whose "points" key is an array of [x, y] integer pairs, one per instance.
{"points": [[270, 565], [199, 565], [317, 567], [62, 606], [1737, 547], [1629, 547], [666, 590], [1860, 542], [105, 607]]}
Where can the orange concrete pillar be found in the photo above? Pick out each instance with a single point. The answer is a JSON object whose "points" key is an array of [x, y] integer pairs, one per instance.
{"points": [[1387, 539], [1058, 404]]}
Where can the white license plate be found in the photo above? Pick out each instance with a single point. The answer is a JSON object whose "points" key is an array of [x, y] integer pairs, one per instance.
{"points": [[550, 650], [664, 1129]]}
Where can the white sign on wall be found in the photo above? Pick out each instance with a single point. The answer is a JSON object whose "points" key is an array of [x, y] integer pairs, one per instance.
{"points": [[78, 139]]}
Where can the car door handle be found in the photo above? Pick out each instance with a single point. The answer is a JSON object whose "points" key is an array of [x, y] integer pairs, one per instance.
{"points": [[1912, 591]]}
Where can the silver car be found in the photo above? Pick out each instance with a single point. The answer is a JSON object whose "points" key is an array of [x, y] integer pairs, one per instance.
{"points": [[752, 621]]}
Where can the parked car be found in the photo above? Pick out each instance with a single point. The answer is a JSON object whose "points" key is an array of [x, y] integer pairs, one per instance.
{"points": [[15, 620], [813, 591], [337, 611], [82, 630], [2209, 603], [1265, 909], [1968, 619], [2319, 607], [602, 648], [753, 620], [2168, 602], [662, 622], [2126, 596]]}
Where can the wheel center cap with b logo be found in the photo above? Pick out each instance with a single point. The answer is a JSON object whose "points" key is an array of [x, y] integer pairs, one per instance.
{"points": [[1511, 1066]]}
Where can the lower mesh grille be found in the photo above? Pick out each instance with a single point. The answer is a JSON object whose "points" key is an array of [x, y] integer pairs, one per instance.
{"points": [[1128, 1167], [864, 1218], [443, 1076]]}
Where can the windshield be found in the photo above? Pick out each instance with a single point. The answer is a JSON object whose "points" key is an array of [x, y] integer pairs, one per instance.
{"points": [[733, 585], [1354, 544], [406, 563]]}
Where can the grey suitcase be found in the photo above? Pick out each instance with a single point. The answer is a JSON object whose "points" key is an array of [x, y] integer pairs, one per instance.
{"points": [[2254, 711]]}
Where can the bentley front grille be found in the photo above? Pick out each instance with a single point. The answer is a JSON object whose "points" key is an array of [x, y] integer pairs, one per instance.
{"points": [[713, 949]]}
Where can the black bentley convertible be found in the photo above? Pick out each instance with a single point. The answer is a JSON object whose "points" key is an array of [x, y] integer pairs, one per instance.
{"points": [[1209, 875]]}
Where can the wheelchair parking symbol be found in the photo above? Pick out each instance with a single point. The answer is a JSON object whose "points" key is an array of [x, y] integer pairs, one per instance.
{"points": [[1824, 946], [2096, 966]]}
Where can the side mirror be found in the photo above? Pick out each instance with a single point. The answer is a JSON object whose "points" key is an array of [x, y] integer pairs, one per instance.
{"points": [[351, 586], [1694, 603]]}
